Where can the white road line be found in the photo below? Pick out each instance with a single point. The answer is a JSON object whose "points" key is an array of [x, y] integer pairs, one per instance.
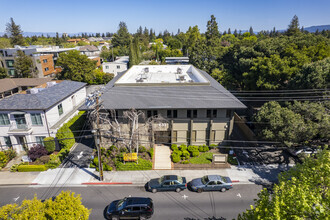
{"points": [[239, 195], [15, 199]]}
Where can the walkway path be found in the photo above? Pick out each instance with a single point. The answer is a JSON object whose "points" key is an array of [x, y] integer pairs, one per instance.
{"points": [[162, 156]]}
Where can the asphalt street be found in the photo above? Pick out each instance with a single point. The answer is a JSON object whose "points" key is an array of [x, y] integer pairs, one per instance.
{"points": [[168, 205]]}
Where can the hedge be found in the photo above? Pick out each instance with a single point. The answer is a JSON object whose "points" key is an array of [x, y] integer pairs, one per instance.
{"points": [[31, 168], [175, 158], [49, 144], [174, 147]]}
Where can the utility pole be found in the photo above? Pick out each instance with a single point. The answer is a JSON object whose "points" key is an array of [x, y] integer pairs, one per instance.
{"points": [[97, 137]]}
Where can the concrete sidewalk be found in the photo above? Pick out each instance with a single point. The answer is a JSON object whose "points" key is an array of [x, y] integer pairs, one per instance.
{"points": [[263, 174], [162, 159]]}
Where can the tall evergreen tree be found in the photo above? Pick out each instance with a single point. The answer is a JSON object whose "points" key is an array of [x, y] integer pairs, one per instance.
{"points": [[212, 33], [122, 37], [15, 33], [229, 31], [235, 32], [251, 31], [57, 40], [293, 27]]}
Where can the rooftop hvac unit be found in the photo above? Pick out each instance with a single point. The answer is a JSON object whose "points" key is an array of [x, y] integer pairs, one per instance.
{"points": [[179, 70], [51, 83], [182, 77], [33, 91], [146, 70]]}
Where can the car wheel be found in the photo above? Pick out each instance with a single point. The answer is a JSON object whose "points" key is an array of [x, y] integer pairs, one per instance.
{"points": [[223, 189], [200, 190], [177, 190], [154, 190], [114, 218], [142, 218]]}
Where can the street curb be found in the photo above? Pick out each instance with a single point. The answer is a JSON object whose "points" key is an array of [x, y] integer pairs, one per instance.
{"points": [[235, 181], [34, 183], [107, 183]]}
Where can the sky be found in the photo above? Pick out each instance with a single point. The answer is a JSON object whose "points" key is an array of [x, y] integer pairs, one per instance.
{"points": [[73, 16]]}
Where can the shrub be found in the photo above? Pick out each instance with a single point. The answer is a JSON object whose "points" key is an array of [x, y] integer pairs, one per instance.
{"points": [[203, 148], [31, 168], [49, 143], [113, 148], [192, 148], [186, 154], [212, 146], [44, 159], [11, 154], [107, 167], [178, 152], [175, 158], [183, 147], [37, 151], [142, 149], [142, 165], [195, 153], [151, 152], [14, 168], [123, 149], [174, 147], [185, 162], [3, 159]]}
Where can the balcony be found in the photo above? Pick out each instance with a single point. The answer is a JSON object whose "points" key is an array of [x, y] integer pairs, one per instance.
{"points": [[21, 128]]}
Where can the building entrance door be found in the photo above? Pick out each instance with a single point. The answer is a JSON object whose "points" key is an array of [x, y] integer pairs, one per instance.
{"points": [[163, 137], [22, 141]]}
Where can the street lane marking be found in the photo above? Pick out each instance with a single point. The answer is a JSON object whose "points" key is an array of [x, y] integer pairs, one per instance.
{"points": [[184, 197], [80, 155], [16, 199], [239, 195]]}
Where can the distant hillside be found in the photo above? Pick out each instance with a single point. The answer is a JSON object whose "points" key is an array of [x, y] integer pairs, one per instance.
{"points": [[50, 34], [312, 29]]}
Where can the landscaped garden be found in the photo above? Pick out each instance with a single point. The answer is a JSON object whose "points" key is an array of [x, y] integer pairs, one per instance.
{"points": [[6, 156], [120, 159]]}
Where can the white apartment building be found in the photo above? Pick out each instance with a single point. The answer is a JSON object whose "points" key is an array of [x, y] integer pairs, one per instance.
{"points": [[118, 66], [26, 119]]}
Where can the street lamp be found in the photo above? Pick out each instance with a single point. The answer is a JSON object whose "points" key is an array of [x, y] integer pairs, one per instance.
{"points": [[97, 143]]}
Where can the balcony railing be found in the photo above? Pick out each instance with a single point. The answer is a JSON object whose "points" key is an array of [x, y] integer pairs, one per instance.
{"points": [[19, 127]]}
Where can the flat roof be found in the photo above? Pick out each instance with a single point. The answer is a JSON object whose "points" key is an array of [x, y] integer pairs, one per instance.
{"points": [[162, 74]]}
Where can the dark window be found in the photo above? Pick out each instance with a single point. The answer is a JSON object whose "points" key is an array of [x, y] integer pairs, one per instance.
{"points": [[36, 119], [154, 113], [211, 183], [11, 72], [4, 120], [8, 141], [166, 183], [46, 69], [136, 208], [169, 113], [45, 60], [40, 139], [10, 63], [208, 113], [228, 113], [214, 115], [118, 67], [148, 113], [188, 113], [175, 113], [60, 109], [195, 113]]}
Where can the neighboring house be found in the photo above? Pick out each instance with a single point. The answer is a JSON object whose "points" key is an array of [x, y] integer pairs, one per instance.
{"points": [[10, 86], [89, 50], [76, 40], [26, 119], [177, 60], [196, 108], [117, 66], [53, 50], [43, 62], [95, 39]]}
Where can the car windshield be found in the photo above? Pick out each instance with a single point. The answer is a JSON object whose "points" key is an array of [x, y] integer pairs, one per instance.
{"points": [[205, 179], [120, 204], [161, 180], [180, 179], [223, 179]]}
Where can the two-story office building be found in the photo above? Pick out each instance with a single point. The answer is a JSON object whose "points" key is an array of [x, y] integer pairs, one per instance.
{"points": [[196, 108], [26, 119]]}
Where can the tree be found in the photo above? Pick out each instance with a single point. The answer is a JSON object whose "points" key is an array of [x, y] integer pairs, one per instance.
{"points": [[293, 27], [302, 193], [3, 73], [76, 66], [212, 33], [65, 206], [15, 33], [122, 37], [24, 67], [4, 43], [251, 31]]}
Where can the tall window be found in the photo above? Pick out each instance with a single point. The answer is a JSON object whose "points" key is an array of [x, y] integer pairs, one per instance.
{"points": [[40, 139], [46, 69], [10, 63], [228, 113], [36, 119], [211, 113], [4, 120], [45, 60], [8, 141], [60, 109], [118, 67], [172, 113], [192, 113], [151, 113]]}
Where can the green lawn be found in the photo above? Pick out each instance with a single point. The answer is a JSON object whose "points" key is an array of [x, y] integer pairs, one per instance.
{"points": [[203, 158], [143, 165]]}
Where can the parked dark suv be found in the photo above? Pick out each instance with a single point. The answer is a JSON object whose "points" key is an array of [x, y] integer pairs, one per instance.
{"points": [[130, 208]]}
